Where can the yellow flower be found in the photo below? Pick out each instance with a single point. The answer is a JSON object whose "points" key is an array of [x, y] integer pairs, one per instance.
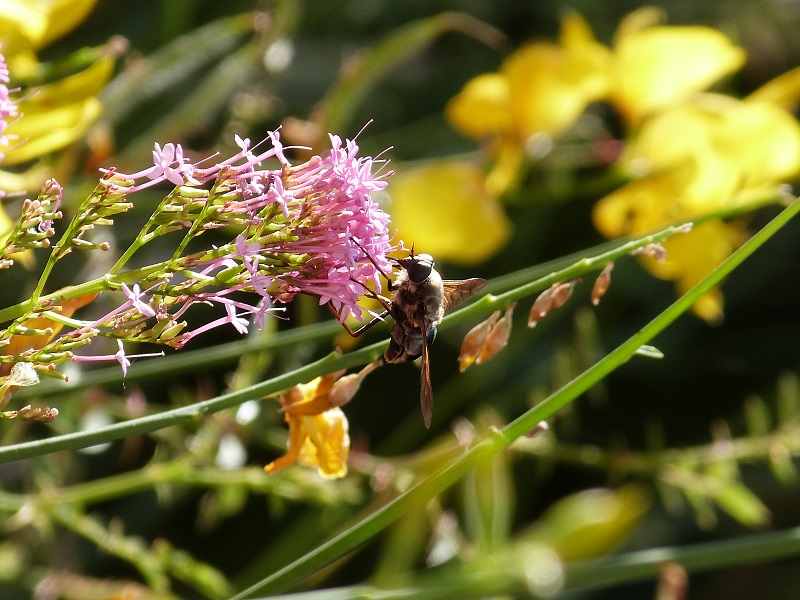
{"points": [[318, 434], [320, 441], [692, 256], [694, 159], [56, 113], [655, 67], [445, 210], [541, 89], [29, 25], [318, 429]]}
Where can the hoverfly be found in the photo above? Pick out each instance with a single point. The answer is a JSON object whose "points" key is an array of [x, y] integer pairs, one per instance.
{"points": [[419, 302]]}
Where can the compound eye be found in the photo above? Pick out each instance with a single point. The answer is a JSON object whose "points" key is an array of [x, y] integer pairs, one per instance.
{"points": [[420, 268]]}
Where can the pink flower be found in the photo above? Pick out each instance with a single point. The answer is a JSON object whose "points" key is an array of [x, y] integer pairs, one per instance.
{"points": [[123, 360], [8, 110], [310, 228], [135, 295]]}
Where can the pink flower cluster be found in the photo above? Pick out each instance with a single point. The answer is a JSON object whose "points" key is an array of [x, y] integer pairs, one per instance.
{"points": [[310, 228]]}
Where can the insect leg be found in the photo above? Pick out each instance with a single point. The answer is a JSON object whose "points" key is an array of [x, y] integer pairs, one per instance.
{"points": [[374, 264], [378, 319]]}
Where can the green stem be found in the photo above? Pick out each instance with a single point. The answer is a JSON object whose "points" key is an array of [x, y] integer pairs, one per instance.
{"points": [[442, 479], [646, 564], [619, 569], [194, 412], [330, 363], [101, 284]]}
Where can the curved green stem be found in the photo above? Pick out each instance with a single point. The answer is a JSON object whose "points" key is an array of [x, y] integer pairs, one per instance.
{"points": [[496, 441], [603, 572], [326, 365]]}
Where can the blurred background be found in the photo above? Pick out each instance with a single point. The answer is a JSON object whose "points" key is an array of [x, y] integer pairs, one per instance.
{"points": [[196, 73]]}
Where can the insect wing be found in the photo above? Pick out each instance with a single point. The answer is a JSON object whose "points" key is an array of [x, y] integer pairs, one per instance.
{"points": [[425, 389], [457, 292]]}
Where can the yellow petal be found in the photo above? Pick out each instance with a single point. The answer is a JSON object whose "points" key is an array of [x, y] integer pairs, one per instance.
{"points": [[309, 398], [657, 67], [328, 443], [715, 148], [550, 87], [763, 140], [509, 158], [783, 91], [58, 113], [482, 107], [44, 132], [22, 25], [78, 86], [63, 17], [444, 208], [692, 256], [636, 207], [297, 437], [40, 22]]}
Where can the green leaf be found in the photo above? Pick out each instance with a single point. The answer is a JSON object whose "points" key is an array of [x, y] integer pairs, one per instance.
{"points": [[364, 71]]}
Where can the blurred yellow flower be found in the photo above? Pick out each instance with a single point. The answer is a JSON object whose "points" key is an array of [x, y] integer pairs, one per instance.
{"points": [[58, 112], [444, 208], [47, 116], [29, 25], [542, 88], [693, 159], [655, 67]]}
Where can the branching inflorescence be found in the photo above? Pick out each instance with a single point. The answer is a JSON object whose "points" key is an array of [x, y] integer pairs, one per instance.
{"points": [[310, 228]]}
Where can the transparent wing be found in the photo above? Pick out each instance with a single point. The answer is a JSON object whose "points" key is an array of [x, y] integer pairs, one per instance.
{"points": [[459, 291]]}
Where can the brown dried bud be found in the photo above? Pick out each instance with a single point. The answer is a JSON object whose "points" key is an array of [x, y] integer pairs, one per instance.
{"points": [[561, 294], [498, 336], [474, 341], [541, 306], [28, 413], [552, 298], [343, 390], [485, 339], [601, 284]]}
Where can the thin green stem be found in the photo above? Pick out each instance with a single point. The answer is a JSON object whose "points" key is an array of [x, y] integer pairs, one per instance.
{"points": [[645, 564], [330, 363], [440, 480], [619, 569], [101, 284]]}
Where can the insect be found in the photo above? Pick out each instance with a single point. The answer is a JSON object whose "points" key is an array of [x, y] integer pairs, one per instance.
{"points": [[419, 302]]}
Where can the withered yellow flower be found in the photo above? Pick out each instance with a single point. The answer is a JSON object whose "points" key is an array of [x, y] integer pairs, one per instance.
{"points": [[320, 441], [318, 429], [318, 434]]}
